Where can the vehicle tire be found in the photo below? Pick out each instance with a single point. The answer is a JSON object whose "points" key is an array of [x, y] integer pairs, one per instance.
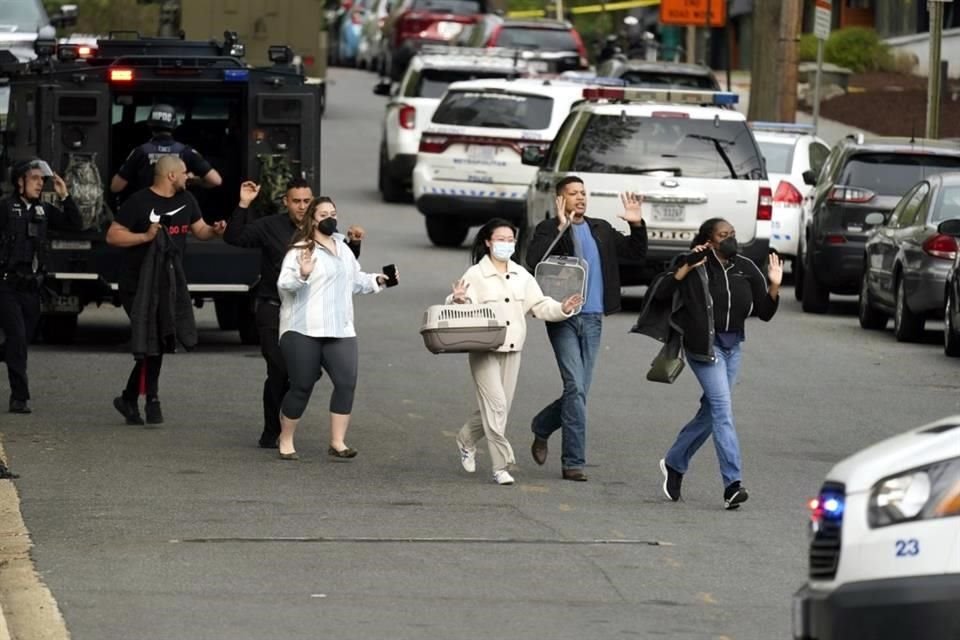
{"points": [[870, 317], [59, 328], [951, 340], [907, 326], [816, 297], [798, 271], [228, 313], [446, 231], [390, 189]]}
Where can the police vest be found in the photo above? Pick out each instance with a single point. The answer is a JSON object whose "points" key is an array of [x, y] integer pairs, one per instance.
{"points": [[152, 151], [22, 247]]}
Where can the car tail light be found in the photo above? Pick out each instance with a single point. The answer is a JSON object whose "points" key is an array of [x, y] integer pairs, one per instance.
{"points": [[941, 246], [407, 116], [787, 195], [765, 204], [433, 144], [121, 75], [835, 238], [603, 93], [356, 17], [581, 49], [308, 61], [851, 194], [409, 26], [85, 51]]}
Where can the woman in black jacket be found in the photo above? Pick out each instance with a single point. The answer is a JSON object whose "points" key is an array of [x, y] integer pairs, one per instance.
{"points": [[717, 294]]}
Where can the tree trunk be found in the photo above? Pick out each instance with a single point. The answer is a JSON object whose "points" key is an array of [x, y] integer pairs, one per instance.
{"points": [[789, 43], [765, 80]]}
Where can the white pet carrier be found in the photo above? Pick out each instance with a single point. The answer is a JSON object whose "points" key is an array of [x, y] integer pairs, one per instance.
{"points": [[457, 328], [561, 276]]}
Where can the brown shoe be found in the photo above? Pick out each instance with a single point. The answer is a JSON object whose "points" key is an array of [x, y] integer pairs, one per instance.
{"points": [[577, 475], [539, 450]]}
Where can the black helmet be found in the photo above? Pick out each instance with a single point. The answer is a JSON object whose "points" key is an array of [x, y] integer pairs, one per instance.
{"points": [[162, 116], [20, 169]]}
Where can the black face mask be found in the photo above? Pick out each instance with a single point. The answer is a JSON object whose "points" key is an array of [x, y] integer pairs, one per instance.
{"points": [[728, 248], [327, 226]]}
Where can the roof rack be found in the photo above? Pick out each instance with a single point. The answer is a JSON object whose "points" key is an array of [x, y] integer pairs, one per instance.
{"points": [[661, 96], [782, 127]]}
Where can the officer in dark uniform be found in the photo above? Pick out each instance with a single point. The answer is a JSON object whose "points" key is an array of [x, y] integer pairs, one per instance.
{"points": [[24, 221], [137, 170]]}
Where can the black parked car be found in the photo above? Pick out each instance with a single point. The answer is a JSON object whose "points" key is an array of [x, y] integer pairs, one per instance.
{"points": [[951, 297], [906, 258], [861, 176]]}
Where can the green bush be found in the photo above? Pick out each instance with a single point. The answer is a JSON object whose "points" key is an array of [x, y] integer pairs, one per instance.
{"points": [[858, 49], [807, 49]]}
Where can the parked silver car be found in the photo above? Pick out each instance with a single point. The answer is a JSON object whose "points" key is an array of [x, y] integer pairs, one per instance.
{"points": [[951, 296], [906, 258]]}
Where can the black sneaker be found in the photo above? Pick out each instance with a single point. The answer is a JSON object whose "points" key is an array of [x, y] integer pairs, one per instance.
{"points": [[152, 409], [129, 410], [672, 480], [20, 406], [734, 496]]}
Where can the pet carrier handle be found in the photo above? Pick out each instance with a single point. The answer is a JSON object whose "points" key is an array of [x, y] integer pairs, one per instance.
{"points": [[546, 254]]}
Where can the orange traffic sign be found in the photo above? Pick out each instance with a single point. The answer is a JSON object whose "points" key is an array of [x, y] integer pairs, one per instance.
{"points": [[693, 13]]}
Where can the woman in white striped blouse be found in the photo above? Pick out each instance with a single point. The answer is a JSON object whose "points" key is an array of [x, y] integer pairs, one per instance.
{"points": [[318, 279]]}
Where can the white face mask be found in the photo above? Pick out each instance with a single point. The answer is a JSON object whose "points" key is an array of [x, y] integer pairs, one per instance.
{"points": [[503, 250]]}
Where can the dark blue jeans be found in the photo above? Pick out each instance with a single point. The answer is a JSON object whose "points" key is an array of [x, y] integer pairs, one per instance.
{"points": [[576, 342], [715, 416]]}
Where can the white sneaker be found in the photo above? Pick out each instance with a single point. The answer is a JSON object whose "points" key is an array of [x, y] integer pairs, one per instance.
{"points": [[502, 477], [468, 458]]}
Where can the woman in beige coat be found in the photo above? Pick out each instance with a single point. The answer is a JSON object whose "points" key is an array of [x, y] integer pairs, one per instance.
{"points": [[495, 279]]}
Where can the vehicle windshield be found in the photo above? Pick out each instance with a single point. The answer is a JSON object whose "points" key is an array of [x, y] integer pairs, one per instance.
{"points": [[538, 39], [677, 146], [21, 16], [892, 174], [433, 83], [663, 80], [494, 110], [948, 205], [454, 7], [778, 155]]}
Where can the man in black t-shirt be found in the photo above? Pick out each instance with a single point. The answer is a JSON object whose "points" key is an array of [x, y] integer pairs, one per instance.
{"points": [[166, 204]]}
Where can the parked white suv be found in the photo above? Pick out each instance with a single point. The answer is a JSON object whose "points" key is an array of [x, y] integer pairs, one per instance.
{"points": [[686, 152], [468, 166], [885, 543], [415, 99]]}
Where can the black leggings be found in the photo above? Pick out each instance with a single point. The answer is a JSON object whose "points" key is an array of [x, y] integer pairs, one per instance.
{"points": [[306, 360]]}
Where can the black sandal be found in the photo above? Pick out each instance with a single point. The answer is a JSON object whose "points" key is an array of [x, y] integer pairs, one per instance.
{"points": [[343, 454]]}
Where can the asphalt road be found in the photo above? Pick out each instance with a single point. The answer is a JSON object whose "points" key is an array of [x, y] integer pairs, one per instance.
{"points": [[191, 532]]}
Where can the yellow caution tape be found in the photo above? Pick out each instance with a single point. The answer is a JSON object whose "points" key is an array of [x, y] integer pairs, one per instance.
{"points": [[589, 8]]}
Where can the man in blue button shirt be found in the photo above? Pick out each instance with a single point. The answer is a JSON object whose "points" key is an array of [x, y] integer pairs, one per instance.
{"points": [[576, 341]]}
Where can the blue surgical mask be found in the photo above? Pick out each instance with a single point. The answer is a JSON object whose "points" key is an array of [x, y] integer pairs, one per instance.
{"points": [[503, 250]]}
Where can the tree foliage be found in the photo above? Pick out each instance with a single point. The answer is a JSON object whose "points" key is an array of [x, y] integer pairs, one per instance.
{"points": [[102, 16]]}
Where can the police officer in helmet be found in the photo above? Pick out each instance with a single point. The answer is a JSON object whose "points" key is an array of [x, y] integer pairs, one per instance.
{"points": [[137, 170], [24, 222]]}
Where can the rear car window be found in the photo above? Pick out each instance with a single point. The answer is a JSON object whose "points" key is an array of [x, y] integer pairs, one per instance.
{"points": [[661, 80], [892, 174], [455, 7], [948, 205], [433, 83], [494, 110], [538, 39], [778, 155], [668, 146]]}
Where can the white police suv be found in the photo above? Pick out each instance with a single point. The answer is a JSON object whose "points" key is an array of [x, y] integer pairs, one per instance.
{"points": [[686, 152], [468, 165], [417, 95], [885, 543]]}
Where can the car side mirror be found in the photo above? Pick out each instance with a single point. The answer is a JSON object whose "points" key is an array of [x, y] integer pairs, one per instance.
{"points": [[532, 155], [809, 178], [874, 219], [382, 89], [950, 227]]}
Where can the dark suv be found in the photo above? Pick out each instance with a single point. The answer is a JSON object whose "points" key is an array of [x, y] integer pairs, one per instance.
{"points": [[860, 177]]}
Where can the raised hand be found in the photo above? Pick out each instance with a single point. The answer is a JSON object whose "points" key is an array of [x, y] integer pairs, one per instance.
{"points": [[249, 190], [306, 261], [775, 269], [561, 205], [60, 186], [632, 203], [460, 291], [355, 233], [571, 303]]}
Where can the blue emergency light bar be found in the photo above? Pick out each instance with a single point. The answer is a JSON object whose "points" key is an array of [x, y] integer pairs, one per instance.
{"points": [[236, 75]]}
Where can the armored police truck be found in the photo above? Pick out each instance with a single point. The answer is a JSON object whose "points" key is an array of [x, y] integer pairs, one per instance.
{"points": [[84, 116]]}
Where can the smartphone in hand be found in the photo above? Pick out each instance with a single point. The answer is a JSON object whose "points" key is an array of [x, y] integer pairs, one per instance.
{"points": [[390, 271]]}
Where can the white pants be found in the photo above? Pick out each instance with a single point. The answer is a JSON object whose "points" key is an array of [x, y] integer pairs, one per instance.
{"points": [[495, 375]]}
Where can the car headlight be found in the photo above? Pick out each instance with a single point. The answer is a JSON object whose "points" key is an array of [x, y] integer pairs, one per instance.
{"points": [[919, 494]]}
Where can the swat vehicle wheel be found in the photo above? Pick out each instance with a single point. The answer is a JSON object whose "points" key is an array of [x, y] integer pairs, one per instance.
{"points": [[59, 329], [445, 231]]}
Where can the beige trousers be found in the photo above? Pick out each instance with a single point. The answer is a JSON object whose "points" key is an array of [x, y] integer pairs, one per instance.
{"points": [[495, 375]]}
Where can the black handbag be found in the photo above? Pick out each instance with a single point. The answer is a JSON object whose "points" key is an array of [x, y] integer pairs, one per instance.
{"points": [[669, 363]]}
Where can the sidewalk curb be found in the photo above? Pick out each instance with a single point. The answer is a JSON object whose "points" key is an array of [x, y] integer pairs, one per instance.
{"points": [[4, 631]]}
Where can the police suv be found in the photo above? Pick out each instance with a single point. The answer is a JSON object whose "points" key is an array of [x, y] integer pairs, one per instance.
{"points": [[85, 114], [686, 152], [885, 543], [416, 98], [468, 165]]}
